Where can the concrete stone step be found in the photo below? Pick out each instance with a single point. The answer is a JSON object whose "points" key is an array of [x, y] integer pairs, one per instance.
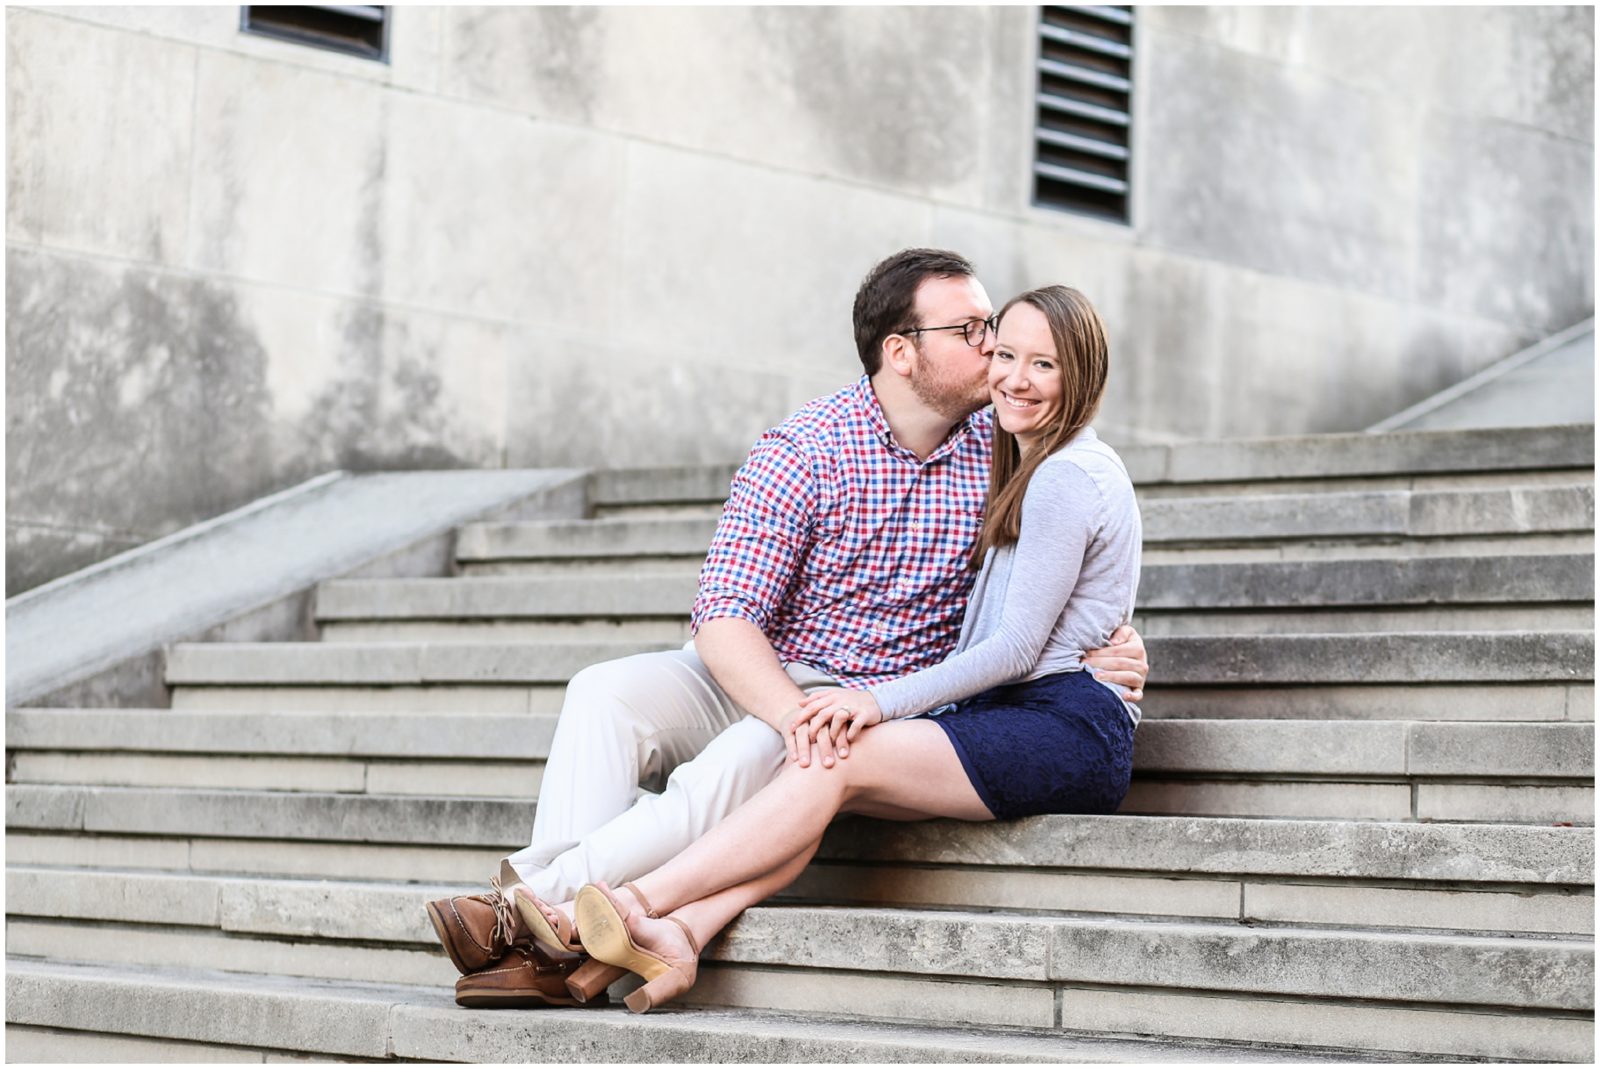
{"points": [[1351, 797], [392, 1021], [1512, 750], [1270, 517], [1011, 967], [1310, 898], [1560, 616], [1167, 623], [1465, 851], [1521, 773], [1224, 465], [1184, 661], [1505, 700], [1317, 549], [437, 862], [600, 602]]}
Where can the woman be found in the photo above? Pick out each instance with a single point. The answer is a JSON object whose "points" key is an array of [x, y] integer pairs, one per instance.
{"points": [[1031, 731]]}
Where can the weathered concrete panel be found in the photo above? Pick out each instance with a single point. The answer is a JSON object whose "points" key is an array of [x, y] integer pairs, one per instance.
{"points": [[414, 40], [1539, 271], [700, 292], [142, 394], [545, 253], [641, 411], [1272, 169], [68, 134], [820, 90], [1530, 65], [1191, 336]]}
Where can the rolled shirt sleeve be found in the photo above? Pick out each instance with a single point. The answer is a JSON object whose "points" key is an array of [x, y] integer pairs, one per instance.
{"points": [[761, 538]]}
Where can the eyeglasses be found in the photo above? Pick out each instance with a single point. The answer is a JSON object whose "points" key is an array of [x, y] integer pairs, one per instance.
{"points": [[973, 331]]}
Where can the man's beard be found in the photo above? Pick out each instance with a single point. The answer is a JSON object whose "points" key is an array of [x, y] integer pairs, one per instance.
{"points": [[951, 399]]}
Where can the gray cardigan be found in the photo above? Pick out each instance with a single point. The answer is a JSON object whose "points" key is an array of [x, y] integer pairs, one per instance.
{"points": [[1065, 585]]}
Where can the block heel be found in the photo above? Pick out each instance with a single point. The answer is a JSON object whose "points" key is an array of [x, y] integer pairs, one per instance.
{"points": [[664, 988], [603, 927], [590, 980]]}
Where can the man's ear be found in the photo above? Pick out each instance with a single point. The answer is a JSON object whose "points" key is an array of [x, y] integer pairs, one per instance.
{"points": [[899, 354]]}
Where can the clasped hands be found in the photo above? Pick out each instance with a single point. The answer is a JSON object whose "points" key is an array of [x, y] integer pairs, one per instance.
{"points": [[826, 722], [829, 719]]}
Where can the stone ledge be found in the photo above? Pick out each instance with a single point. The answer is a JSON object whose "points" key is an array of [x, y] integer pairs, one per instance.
{"points": [[1288, 747], [1364, 513], [269, 814], [1399, 657], [1260, 459], [1376, 582], [381, 1021], [420, 736], [1452, 853]]}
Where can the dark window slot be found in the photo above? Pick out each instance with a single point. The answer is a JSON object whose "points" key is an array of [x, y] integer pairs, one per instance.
{"points": [[1082, 142], [353, 30]]}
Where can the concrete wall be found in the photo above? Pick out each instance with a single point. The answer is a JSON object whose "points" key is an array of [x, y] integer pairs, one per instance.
{"points": [[611, 236]]}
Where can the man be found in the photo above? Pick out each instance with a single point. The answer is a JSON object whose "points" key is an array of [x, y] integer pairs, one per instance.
{"points": [[840, 558]]}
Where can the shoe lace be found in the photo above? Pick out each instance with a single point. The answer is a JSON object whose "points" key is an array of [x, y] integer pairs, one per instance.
{"points": [[505, 917]]}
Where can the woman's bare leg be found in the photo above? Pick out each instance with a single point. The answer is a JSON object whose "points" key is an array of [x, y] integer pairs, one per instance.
{"points": [[904, 767], [708, 916]]}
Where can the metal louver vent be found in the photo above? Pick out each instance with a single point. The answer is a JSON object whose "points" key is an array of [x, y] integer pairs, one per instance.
{"points": [[355, 30], [1081, 133]]}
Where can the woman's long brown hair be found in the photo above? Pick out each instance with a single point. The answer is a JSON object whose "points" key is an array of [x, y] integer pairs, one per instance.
{"points": [[1083, 353]]}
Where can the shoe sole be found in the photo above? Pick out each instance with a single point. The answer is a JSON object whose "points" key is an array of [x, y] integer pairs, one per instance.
{"points": [[442, 928], [537, 925], [606, 937], [514, 1000]]}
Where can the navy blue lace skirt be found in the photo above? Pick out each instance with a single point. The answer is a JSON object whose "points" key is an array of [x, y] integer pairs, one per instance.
{"points": [[1059, 744]]}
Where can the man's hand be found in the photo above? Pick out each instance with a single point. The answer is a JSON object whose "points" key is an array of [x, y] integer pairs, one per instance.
{"points": [[1123, 662], [832, 718]]}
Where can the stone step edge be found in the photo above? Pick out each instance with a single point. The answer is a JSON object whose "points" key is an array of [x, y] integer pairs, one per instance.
{"points": [[526, 737], [1388, 513], [394, 1021], [176, 898], [1371, 657], [1342, 849], [1339, 455], [1372, 584]]}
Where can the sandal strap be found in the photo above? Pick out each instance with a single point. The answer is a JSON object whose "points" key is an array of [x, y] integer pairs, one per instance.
{"points": [[644, 903], [694, 944]]}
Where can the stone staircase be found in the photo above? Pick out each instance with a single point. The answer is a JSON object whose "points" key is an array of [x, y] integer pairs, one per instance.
{"points": [[1361, 825]]}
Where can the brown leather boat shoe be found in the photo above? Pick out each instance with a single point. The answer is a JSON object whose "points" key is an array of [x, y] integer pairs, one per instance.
{"points": [[526, 977], [476, 930]]}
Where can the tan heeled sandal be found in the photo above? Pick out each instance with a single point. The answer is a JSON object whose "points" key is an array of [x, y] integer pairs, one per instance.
{"points": [[550, 926], [606, 937]]}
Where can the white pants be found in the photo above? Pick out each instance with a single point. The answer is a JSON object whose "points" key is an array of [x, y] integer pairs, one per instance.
{"points": [[630, 724]]}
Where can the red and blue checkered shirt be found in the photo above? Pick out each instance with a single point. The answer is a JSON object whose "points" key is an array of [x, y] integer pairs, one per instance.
{"points": [[847, 551]]}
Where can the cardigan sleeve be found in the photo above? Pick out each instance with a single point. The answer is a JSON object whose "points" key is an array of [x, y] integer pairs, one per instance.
{"points": [[1061, 513]]}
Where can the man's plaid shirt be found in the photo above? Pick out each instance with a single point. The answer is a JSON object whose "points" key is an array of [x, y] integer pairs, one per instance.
{"points": [[846, 550]]}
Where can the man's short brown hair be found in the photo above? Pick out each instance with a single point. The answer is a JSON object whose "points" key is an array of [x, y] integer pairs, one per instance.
{"points": [[886, 302]]}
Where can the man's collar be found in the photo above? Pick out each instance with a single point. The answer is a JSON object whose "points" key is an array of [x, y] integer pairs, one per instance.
{"points": [[867, 399], [872, 411]]}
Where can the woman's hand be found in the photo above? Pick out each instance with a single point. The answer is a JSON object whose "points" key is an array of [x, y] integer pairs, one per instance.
{"points": [[1123, 662], [832, 717]]}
